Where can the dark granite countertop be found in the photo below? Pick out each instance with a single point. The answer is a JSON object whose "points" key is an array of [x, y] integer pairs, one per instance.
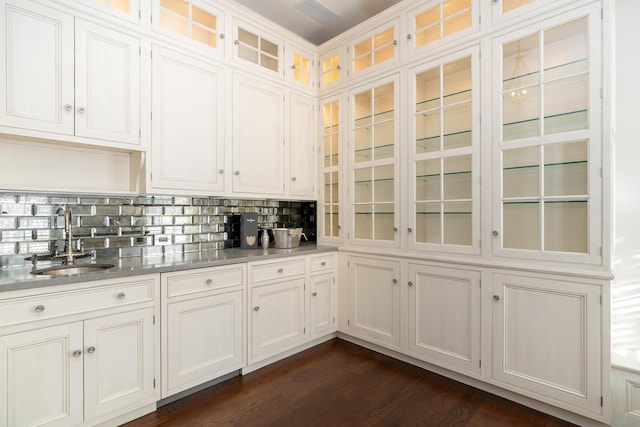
{"points": [[20, 277]]}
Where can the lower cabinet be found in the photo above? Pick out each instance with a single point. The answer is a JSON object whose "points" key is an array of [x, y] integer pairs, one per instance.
{"points": [[321, 304], [89, 370], [203, 328], [547, 339], [444, 316]]}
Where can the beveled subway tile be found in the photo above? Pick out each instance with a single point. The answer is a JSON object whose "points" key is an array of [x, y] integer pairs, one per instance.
{"points": [[172, 229], [152, 230], [200, 201], [162, 220], [9, 198], [94, 200], [143, 200], [141, 220], [152, 210], [33, 247], [8, 222], [182, 220], [192, 247], [129, 252], [82, 210], [34, 222], [107, 210], [152, 251], [8, 248], [18, 209], [202, 237], [162, 200], [172, 210], [192, 229], [173, 249], [117, 242], [122, 221], [91, 244], [15, 235], [182, 238], [120, 201], [90, 221], [179, 200], [131, 210]]}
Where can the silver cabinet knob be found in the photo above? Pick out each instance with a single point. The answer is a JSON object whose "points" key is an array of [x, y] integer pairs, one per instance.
{"points": [[293, 178], [236, 173], [496, 297], [395, 42], [410, 284], [495, 233], [410, 230], [256, 308], [121, 295], [68, 107], [221, 36], [91, 349], [76, 353], [209, 281], [236, 42], [338, 67], [395, 281], [395, 228], [323, 263], [39, 308], [315, 294], [293, 67], [221, 171], [81, 109], [409, 36], [281, 270]]}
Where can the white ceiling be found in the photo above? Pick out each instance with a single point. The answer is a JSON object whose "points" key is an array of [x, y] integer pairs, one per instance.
{"points": [[286, 14]]}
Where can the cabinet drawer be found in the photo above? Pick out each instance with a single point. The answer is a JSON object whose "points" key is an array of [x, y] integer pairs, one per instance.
{"points": [[276, 270], [50, 305], [203, 280], [322, 262]]}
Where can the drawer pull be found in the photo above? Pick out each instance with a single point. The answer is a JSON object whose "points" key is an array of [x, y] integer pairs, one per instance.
{"points": [[91, 349], [121, 295], [76, 353], [209, 281], [323, 263], [39, 308], [280, 270], [315, 294], [256, 308]]}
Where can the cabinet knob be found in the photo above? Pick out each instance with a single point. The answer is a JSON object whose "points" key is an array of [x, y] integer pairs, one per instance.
{"points": [[209, 281], [39, 308], [76, 353], [91, 349], [395, 281], [496, 297], [222, 36], [68, 107], [81, 109], [395, 42], [221, 171], [323, 263], [121, 295], [281, 270], [338, 67], [410, 284], [236, 42], [395, 229], [293, 67], [236, 173], [495, 233], [293, 178], [315, 294], [410, 230], [409, 36], [256, 308]]}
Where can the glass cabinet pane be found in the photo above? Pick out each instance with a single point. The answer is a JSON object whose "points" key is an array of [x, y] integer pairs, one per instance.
{"points": [[565, 169], [181, 17], [565, 223], [428, 180], [445, 19], [522, 225], [508, 5], [331, 69], [456, 178], [457, 223], [257, 50], [374, 50], [521, 172], [331, 167], [301, 68], [428, 223]]}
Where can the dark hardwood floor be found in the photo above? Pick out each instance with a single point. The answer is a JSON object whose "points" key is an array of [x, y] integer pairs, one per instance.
{"points": [[341, 384]]}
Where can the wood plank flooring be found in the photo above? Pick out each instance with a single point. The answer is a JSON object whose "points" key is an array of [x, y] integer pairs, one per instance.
{"points": [[341, 384]]}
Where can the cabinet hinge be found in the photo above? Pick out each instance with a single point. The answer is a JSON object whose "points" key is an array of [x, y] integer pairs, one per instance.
{"points": [[600, 250], [154, 319], [601, 13], [600, 299], [348, 322], [139, 14], [151, 115], [139, 133], [304, 330], [601, 173], [334, 320], [334, 280], [601, 400], [601, 94], [154, 383], [480, 282], [480, 363], [140, 50]]}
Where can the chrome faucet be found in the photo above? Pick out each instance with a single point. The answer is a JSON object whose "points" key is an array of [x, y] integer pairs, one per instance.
{"points": [[69, 255]]}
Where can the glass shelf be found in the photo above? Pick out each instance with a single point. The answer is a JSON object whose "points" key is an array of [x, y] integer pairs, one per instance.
{"points": [[329, 129], [374, 213], [548, 165], [369, 123], [430, 138], [374, 181], [443, 213], [546, 70], [546, 202], [467, 91], [569, 113], [444, 174]]}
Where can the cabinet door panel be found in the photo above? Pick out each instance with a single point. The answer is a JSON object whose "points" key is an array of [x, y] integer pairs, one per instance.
{"points": [[277, 318], [444, 317], [204, 339], [36, 68], [107, 84], [547, 339], [257, 137], [322, 307], [302, 147], [41, 378], [188, 124], [119, 362], [375, 300]]}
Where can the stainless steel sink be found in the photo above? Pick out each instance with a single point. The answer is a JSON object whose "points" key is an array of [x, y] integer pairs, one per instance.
{"points": [[71, 270]]}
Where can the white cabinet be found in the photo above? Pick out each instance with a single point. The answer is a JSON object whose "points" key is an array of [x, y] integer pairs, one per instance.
{"points": [[82, 354], [547, 339], [277, 307], [38, 69], [258, 143], [188, 124], [300, 68], [302, 147], [203, 326], [444, 316], [322, 295], [370, 51], [257, 50], [129, 10], [374, 300], [331, 69]]}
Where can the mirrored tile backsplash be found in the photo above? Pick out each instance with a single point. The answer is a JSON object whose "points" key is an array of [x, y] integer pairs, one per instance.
{"points": [[123, 226]]}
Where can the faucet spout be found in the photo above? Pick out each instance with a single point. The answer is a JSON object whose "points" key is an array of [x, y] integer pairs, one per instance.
{"points": [[69, 255]]}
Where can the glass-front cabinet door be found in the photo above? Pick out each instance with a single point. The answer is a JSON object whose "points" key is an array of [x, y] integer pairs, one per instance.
{"points": [[374, 136], [330, 69], [375, 48], [548, 141], [444, 158], [331, 163]]}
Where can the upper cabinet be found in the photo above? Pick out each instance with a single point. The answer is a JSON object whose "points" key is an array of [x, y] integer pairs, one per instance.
{"points": [[329, 227], [302, 147], [331, 69], [377, 47], [374, 157], [256, 50], [444, 158], [187, 148], [38, 69], [506, 11], [440, 20], [192, 21], [300, 67], [548, 139], [125, 9]]}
